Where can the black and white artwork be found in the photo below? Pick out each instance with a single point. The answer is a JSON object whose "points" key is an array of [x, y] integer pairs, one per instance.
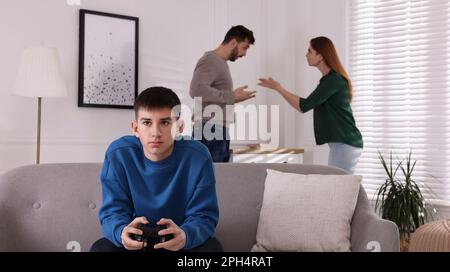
{"points": [[108, 64]]}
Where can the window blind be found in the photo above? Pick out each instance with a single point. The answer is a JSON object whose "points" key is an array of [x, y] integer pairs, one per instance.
{"points": [[399, 63]]}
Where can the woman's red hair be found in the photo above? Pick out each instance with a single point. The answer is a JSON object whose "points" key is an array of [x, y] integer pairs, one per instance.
{"points": [[325, 47]]}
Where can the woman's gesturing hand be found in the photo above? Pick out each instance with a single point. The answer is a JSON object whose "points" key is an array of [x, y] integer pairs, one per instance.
{"points": [[270, 83]]}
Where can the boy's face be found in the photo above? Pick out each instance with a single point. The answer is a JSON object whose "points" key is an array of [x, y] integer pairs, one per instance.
{"points": [[157, 129]]}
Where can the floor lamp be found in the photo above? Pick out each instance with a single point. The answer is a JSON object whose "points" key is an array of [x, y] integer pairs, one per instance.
{"points": [[39, 76]]}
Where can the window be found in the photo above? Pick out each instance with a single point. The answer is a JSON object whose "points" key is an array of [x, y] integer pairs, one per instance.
{"points": [[399, 62]]}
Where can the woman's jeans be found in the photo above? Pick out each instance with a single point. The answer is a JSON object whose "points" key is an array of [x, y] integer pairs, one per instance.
{"points": [[344, 156]]}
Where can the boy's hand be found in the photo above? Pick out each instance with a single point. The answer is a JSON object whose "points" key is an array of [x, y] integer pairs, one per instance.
{"points": [[129, 243], [179, 237]]}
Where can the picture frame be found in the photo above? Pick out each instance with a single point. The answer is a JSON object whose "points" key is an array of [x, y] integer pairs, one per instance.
{"points": [[108, 60]]}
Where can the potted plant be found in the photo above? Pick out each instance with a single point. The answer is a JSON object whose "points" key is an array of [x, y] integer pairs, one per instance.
{"points": [[400, 199]]}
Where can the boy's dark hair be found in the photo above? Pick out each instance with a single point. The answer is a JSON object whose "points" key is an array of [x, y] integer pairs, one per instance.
{"points": [[157, 98], [240, 33]]}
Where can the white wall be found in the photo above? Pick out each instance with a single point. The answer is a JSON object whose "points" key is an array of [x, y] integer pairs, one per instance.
{"points": [[292, 24], [173, 35], [330, 22]]}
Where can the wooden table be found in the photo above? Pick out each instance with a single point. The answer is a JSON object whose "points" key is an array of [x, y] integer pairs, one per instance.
{"points": [[258, 154]]}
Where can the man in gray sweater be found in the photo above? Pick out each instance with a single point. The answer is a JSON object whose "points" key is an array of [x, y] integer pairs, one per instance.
{"points": [[212, 86]]}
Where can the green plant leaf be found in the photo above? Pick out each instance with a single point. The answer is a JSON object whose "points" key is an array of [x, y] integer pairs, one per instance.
{"points": [[400, 199]]}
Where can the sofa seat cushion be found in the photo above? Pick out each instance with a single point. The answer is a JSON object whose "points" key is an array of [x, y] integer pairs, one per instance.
{"points": [[306, 212]]}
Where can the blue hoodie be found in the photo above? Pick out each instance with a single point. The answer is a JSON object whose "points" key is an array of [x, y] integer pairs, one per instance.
{"points": [[180, 187]]}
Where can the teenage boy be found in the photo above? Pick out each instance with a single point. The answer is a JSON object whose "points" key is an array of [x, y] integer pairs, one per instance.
{"points": [[152, 178]]}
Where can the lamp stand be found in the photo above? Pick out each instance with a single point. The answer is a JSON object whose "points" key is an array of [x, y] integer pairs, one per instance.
{"points": [[38, 142]]}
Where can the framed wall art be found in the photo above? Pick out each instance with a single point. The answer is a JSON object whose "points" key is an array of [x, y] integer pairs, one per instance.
{"points": [[108, 60]]}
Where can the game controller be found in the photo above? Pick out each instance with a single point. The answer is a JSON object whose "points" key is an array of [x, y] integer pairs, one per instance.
{"points": [[150, 234]]}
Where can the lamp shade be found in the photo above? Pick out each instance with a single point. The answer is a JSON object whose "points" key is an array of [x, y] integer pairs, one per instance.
{"points": [[40, 74]]}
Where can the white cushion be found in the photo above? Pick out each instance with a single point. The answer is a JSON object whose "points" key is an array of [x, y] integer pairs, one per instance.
{"points": [[306, 212]]}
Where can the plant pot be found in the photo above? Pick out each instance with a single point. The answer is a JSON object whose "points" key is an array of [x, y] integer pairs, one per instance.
{"points": [[404, 244]]}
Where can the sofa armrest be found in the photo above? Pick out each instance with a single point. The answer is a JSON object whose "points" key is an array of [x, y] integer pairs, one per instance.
{"points": [[370, 233]]}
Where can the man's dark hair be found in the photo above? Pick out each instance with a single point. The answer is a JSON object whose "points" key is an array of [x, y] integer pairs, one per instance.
{"points": [[240, 33], [155, 98]]}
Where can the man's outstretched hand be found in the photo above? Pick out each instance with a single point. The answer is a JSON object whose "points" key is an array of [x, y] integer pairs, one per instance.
{"points": [[240, 94]]}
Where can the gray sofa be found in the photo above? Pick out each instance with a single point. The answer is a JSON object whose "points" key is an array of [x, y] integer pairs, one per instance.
{"points": [[54, 207]]}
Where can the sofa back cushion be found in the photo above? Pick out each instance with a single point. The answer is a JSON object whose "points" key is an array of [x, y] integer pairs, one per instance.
{"points": [[240, 189], [50, 207], [306, 212]]}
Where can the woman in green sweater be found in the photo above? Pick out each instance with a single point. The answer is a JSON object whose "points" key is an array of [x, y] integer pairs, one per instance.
{"points": [[333, 117]]}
